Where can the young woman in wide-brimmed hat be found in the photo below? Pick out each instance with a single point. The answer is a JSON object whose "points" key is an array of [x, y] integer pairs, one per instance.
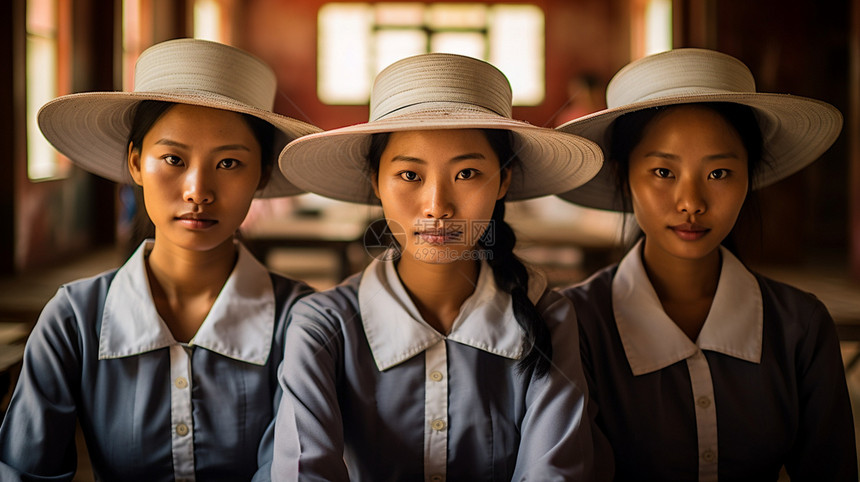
{"points": [[446, 357], [168, 363], [700, 368]]}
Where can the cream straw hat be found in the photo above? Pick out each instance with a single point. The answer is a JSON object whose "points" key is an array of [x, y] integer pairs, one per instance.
{"points": [[92, 128], [438, 91], [795, 130]]}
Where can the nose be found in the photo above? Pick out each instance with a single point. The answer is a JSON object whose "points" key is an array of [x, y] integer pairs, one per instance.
{"points": [[197, 187], [437, 204], [690, 199]]}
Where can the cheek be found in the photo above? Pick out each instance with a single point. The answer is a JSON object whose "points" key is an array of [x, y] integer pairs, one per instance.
{"points": [[734, 202], [397, 220]]}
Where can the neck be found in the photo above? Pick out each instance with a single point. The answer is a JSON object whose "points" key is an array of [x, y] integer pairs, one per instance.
{"points": [[185, 283], [439, 290], [686, 287]]}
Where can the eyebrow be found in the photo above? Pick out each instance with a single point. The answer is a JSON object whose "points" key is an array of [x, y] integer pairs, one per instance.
{"points": [[226, 147], [460, 158]]}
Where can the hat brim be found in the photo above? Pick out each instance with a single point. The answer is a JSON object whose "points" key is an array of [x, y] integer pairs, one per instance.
{"points": [[795, 131], [92, 129], [334, 163]]}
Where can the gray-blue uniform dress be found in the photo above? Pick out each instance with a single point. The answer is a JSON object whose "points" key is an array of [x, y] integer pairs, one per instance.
{"points": [[151, 408], [373, 393], [763, 385]]}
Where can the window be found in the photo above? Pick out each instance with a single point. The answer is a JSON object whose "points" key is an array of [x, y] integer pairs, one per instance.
{"points": [[357, 40], [211, 20], [651, 27], [47, 77]]}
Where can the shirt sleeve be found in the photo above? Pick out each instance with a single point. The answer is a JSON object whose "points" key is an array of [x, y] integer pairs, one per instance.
{"points": [[38, 433], [825, 447], [309, 440], [556, 442]]}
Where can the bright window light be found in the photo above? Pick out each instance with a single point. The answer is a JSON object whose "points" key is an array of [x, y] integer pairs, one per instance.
{"points": [[357, 40], [399, 14], [42, 64], [463, 43], [517, 49], [658, 26], [343, 64], [393, 45], [207, 20]]}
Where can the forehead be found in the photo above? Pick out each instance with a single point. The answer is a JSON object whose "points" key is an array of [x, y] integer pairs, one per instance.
{"points": [[201, 119], [437, 143], [690, 127]]}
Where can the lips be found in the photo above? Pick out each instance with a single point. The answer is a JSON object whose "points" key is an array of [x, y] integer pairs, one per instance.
{"points": [[196, 221], [439, 236], [690, 231]]}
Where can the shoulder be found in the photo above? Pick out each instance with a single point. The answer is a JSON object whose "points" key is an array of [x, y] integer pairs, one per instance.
{"points": [[326, 318], [73, 312], [83, 298], [598, 284], [785, 296], [593, 296], [796, 310], [330, 306], [288, 290]]}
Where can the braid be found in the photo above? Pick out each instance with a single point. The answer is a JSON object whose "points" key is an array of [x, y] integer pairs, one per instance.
{"points": [[511, 275]]}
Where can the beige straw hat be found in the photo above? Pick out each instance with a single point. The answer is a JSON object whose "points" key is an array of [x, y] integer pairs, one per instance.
{"points": [[92, 128], [795, 130], [438, 91]]}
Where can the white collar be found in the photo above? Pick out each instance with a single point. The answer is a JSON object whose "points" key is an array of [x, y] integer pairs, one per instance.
{"points": [[239, 325], [396, 331], [652, 341]]}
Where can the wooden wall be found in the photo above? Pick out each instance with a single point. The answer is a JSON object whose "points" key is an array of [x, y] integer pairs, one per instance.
{"points": [[802, 47], [582, 36]]}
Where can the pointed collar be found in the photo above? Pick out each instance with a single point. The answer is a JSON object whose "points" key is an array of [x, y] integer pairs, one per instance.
{"points": [[652, 341], [396, 330], [239, 325]]}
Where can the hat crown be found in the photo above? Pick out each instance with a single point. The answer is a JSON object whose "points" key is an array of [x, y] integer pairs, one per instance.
{"points": [[677, 73], [193, 66], [439, 78]]}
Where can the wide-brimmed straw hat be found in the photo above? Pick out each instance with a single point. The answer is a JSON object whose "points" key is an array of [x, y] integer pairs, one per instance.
{"points": [[439, 91], [795, 130], [92, 128]]}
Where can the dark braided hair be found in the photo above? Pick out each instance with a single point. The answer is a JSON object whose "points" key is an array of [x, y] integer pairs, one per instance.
{"points": [[509, 273]]}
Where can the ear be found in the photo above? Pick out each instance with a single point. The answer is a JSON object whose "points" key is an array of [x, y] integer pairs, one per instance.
{"points": [[506, 182], [133, 159]]}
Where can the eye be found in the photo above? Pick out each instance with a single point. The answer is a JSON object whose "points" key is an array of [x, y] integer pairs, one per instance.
{"points": [[663, 173], [467, 174], [229, 163], [172, 160], [410, 176], [718, 174]]}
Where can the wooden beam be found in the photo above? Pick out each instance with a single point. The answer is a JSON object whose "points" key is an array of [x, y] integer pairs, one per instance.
{"points": [[852, 131]]}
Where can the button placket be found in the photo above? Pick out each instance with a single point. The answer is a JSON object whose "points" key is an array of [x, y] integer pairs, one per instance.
{"points": [[706, 415], [436, 411], [180, 413]]}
